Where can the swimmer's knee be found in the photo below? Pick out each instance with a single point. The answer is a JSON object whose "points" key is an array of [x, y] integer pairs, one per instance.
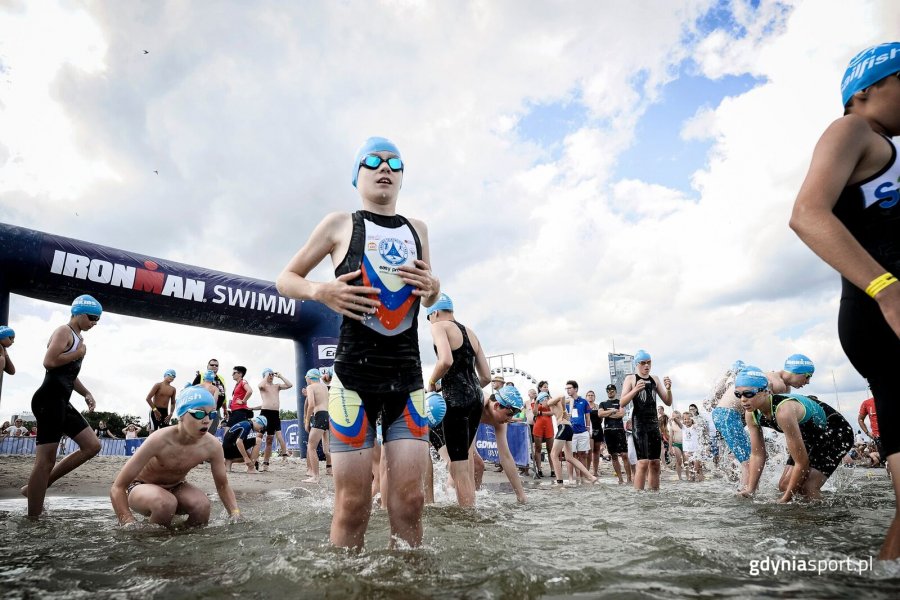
{"points": [[91, 448], [164, 504]]}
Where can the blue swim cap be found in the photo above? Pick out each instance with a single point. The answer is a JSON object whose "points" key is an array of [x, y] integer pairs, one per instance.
{"points": [[266, 371], [509, 397], [169, 373], [543, 396], [191, 398], [373, 144], [261, 421], [210, 375], [799, 364], [443, 303], [751, 376], [314, 374], [435, 408], [6, 332], [86, 305], [737, 366], [641, 355], [869, 67]]}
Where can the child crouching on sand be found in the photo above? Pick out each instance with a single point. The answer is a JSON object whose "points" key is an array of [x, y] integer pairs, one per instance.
{"points": [[152, 482]]}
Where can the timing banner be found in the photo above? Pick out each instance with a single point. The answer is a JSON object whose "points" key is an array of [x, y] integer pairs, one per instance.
{"points": [[516, 436]]}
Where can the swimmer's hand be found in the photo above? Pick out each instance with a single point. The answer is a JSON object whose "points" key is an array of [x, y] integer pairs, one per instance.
{"points": [[80, 351], [744, 494], [523, 499], [235, 516], [349, 300], [639, 385], [888, 301], [787, 497], [421, 277], [91, 403]]}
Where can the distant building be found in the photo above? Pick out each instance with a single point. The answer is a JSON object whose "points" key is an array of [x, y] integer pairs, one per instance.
{"points": [[620, 365]]}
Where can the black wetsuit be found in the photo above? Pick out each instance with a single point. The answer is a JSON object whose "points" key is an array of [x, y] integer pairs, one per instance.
{"points": [[825, 444], [870, 210], [50, 404], [645, 422], [461, 392]]}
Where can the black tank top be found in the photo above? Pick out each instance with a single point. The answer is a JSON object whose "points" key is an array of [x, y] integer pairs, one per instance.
{"points": [[459, 385], [381, 353], [645, 402], [870, 209], [59, 382]]}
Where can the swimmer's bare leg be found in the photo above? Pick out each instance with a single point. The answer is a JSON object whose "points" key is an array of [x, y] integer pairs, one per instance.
{"points": [[312, 457], [154, 502], [890, 549], [404, 498], [193, 502], [47, 470], [640, 473], [577, 464], [352, 497], [477, 469], [270, 439], [285, 453]]}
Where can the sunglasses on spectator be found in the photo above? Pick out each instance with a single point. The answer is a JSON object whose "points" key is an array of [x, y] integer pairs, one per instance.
{"points": [[199, 414], [373, 161]]}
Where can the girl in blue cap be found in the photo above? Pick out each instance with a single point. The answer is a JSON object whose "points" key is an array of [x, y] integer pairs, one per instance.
{"points": [[54, 413], [848, 213], [382, 275]]}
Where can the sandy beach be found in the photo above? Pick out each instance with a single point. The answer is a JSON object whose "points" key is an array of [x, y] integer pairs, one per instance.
{"points": [[96, 476]]}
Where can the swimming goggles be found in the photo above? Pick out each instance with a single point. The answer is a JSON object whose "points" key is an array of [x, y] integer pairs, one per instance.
{"points": [[747, 393], [373, 161], [199, 413]]}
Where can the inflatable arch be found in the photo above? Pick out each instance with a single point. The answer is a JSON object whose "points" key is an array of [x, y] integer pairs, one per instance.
{"points": [[57, 269]]}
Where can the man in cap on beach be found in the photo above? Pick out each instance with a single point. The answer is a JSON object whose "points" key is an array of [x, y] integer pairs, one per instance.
{"points": [[152, 482], [614, 433], [161, 400], [316, 422]]}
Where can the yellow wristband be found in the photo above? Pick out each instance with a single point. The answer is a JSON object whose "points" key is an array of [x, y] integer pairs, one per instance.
{"points": [[879, 283]]}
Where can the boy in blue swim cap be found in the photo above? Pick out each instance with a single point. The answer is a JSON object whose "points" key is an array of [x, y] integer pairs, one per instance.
{"points": [[152, 482], [7, 339], [50, 404], [382, 276], [848, 213], [161, 400]]}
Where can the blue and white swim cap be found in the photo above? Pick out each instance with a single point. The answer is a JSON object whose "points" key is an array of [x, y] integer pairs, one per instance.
{"points": [[751, 376], [543, 396], [210, 375], [86, 305], [435, 408], [314, 374], [373, 144], [737, 366], [799, 364], [6, 332], [443, 303], [266, 372], [869, 67], [261, 421], [191, 398], [169, 373], [509, 397], [641, 355]]}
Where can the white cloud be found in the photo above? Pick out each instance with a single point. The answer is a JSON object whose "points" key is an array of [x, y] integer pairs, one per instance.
{"points": [[252, 112]]}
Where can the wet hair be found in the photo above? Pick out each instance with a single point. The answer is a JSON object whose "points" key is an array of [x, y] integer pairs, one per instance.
{"points": [[573, 383], [241, 370]]}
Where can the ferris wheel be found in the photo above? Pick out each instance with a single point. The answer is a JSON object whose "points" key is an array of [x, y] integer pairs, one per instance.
{"points": [[505, 364]]}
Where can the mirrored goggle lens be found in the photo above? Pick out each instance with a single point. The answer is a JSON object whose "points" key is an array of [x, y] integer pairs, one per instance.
{"points": [[373, 161], [199, 414]]}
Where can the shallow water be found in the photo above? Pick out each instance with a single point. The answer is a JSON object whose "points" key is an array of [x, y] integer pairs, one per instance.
{"points": [[594, 541]]}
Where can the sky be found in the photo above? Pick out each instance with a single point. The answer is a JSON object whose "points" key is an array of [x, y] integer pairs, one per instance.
{"points": [[595, 176]]}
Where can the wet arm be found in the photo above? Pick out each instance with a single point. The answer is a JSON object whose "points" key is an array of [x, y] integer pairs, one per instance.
{"points": [[664, 390], [8, 368], [285, 383], [862, 424], [787, 416], [508, 463], [129, 473], [220, 478], [481, 363], [151, 395], [629, 390], [757, 454], [444, 353], [56, 350]]}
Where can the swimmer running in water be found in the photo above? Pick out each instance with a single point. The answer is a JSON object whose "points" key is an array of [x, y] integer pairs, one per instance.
{"points": [[7, 339], [848, 213], [54, 413], [817, 436], [152, 482], [315, 422], [382, 274]]}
